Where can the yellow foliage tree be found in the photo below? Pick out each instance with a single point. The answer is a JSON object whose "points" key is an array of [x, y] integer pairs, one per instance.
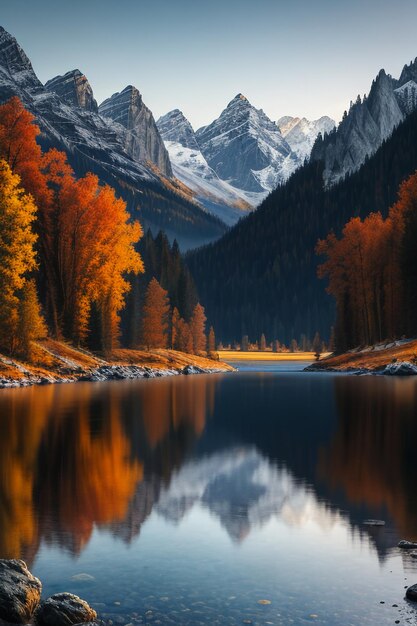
{"points": [[31, 324], [17, 254]]}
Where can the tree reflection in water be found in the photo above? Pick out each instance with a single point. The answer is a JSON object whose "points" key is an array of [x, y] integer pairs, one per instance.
{"points": [[78, 457]]}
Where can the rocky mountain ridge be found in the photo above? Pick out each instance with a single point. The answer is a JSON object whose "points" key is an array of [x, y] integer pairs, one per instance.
{"points": [[368, 123], [74, 88], [142, 140]]}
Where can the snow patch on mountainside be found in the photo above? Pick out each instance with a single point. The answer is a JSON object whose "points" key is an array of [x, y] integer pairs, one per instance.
{"points": [[301, 133], [190, 167]]}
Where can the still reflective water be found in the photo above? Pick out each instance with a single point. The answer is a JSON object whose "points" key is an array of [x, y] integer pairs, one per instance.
{"points": [[189, 500]]}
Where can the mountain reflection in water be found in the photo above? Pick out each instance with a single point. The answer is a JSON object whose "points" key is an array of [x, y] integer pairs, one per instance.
{"points": [[246, 448]]}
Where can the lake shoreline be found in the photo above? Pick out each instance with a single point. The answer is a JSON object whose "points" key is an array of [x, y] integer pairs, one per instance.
{"points": [[59, 363], [397, 358]]}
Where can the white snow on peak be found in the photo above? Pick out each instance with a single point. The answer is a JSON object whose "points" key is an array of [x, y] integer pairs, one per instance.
{"points": [[301, 133]]}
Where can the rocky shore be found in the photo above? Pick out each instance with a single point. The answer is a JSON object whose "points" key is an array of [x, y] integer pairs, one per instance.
{"points": [[403, 368], [20, 600], [397, 358], [60, 363]]}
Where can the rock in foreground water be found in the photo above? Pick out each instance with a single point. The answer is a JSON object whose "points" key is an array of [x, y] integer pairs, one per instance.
{"points": [[20, 591], [411, 593], [64, 609]]}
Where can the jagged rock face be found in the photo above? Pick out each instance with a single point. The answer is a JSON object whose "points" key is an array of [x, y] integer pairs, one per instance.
{"points": [[368, 124], [246, 149], [14, 63], [300, 133], [174, 126], [143, 141], [74, 88]]}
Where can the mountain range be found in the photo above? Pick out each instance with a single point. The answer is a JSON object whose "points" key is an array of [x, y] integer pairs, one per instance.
{"points": [[307, 177], [242, 155], [118, 141], [192, 185]]}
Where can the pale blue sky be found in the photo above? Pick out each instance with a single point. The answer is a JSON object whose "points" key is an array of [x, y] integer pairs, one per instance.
{"points": [[289, 57]]}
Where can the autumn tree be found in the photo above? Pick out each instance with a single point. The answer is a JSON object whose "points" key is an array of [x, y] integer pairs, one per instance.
{"points": [[294, 345], [185, 337], [197, 328], [175, 328], [94, 244], [31, 325], [211, 340], [86, 238], [17, 254], [155, 321]]}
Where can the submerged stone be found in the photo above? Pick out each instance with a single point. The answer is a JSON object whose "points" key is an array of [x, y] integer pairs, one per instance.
{"points": [[411, 593], [20, 591], [64, 609]]}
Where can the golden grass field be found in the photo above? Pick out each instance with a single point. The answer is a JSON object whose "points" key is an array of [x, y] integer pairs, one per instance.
{"points": [[233, 355]]}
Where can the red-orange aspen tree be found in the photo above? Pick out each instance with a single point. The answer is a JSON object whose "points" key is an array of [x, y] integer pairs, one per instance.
{"points": [[197, 328], [155, 316]]}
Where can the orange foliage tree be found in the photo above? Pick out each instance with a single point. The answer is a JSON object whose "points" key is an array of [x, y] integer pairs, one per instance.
{"points": [[372, 273], [197, 329], [86, 241], [155, 320]]}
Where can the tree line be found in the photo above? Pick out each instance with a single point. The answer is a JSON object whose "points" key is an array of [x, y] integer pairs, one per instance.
{"points": [[372, 273], [304, 344], [70, 253]]}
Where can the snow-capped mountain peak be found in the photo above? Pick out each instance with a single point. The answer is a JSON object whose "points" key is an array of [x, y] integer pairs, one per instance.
{"points": [[246, 148], [190, 166], [301, 133], [174, 126]]}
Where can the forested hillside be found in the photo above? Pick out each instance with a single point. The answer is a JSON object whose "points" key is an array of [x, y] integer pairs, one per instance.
{"points": [[261, 277]]}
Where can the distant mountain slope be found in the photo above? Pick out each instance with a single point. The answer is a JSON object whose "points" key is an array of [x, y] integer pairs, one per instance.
{"points": [[98, 144], [300, 133], [190, 166], [369, 122], [246, 149], [261, 276]]}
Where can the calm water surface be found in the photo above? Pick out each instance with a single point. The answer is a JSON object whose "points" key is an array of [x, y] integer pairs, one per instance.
{"points": [[188, 500]]}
